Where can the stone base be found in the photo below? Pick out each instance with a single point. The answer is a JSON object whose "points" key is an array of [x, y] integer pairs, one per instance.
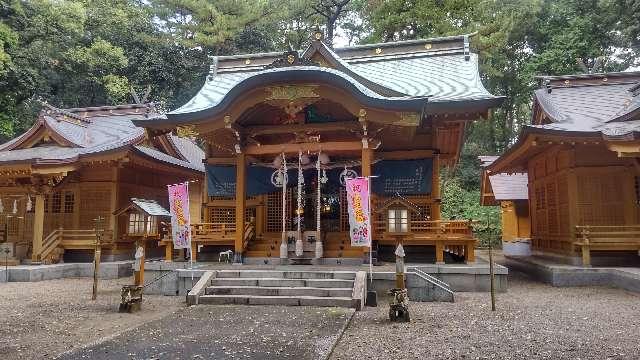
{"points": [[518, 247], [562, 275], [32, 273]]}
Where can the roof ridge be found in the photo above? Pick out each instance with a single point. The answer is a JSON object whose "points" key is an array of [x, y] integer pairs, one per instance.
{"points": [[65, 113]]}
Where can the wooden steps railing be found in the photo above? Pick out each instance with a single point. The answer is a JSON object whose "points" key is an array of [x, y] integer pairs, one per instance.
{"points": [[248, 235], [72, 239], [213, 232], [603, 237]]}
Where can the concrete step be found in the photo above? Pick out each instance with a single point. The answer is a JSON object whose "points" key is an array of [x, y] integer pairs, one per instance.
{"points": [[280, 282], [277, 300], [279, 291], [281, 274]]}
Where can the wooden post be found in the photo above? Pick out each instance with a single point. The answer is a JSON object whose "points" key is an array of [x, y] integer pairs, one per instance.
{"points": [[38, 227], [194, 251], [586, 251], [439, 252], [168, 251], [367, 159], [240, 205], [96, 255], [469, 252]]}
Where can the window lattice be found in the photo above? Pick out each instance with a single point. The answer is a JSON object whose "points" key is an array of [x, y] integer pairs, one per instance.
{"points": [[222, 215], [274, 211], [56, 203], [69, 200]]}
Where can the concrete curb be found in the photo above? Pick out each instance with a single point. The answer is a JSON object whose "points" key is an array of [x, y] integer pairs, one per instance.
{"points": [[342, 331]]}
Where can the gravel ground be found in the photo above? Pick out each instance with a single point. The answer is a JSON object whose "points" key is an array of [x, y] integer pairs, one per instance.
{"points": [[41, 319], [532, 321], [228, 332]]}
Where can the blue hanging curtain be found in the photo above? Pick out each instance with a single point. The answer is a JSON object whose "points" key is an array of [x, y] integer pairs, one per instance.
{"points": [[406, 177], [221, 180]]}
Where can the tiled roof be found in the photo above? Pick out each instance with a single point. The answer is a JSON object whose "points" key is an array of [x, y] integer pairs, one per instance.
{"points": [[87, 131], [158, 155], [506, 186], [442, 70], [151, 207], [592, 103], [509, 187]]}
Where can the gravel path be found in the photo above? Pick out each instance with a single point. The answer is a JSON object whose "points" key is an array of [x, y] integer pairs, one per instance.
{"points": [[532, 321], [41, 319], [228, 332]]}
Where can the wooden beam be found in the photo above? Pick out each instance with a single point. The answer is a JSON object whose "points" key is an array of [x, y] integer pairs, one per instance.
{"points": [[221, 161], [334, 146], [240, 202], [292, 128]]}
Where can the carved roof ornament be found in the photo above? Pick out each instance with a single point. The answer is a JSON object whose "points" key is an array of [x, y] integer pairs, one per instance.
{"points": [[317, 34], [291, 92], [291, 58]]}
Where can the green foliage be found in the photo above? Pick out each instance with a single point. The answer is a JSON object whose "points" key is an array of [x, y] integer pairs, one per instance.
{"points": [[464, 204]]}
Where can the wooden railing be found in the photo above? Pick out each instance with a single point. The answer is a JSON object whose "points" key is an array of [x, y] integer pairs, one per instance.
{"points": [[72, 239], [213, 232], [455, 228], [249, 234], [621, 237]]}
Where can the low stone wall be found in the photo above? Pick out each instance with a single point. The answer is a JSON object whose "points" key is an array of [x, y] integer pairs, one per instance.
{"points": [[174, 278], [562, 275], [32, 273]]}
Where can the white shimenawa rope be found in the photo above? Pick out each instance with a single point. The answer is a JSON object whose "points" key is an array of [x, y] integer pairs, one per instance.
{"points": [[299, 246], [283, 244]]}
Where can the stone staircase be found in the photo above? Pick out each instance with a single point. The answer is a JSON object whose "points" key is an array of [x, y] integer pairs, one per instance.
{"points": [[280, 287]]}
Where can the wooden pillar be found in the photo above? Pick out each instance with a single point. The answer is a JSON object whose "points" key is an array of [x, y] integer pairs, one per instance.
{"points": [[240, 204], [469, 252], [38, 227], [367, 159], [572, 198], [113, 221], [168, 251], [435, 188], [194, 251], [439, 252]]}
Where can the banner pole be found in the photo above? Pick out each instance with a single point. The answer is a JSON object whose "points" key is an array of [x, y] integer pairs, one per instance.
{"points": [[370, 234], [190, 246]]}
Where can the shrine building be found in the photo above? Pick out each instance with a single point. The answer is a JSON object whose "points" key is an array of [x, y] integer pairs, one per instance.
{"points": [[282, 131], [71, 172], [581, 154]]}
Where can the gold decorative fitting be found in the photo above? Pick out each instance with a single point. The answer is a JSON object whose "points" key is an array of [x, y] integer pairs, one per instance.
{"points": [[291, 59], [247, 62], [318, 35], [378, 51], [362, 113], [291, 92], [566, 82], [427, 46], [605, 79], [408, 119]]}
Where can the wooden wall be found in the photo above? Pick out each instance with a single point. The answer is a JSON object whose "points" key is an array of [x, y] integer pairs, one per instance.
{"points": [[516, 223], [578, 185]]}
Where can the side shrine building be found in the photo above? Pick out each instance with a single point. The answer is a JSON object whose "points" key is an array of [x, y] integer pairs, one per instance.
{"points": [[283, 130], [75, 168], [581, 155]]}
